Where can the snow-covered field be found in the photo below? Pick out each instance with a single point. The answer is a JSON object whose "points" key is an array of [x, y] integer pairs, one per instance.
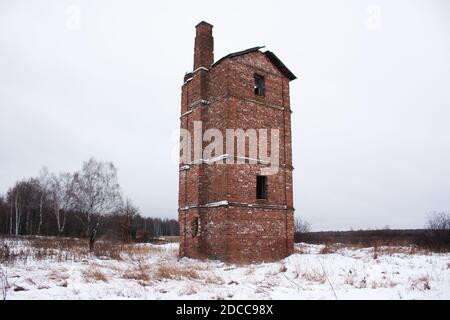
{"points": [[154, 272]]}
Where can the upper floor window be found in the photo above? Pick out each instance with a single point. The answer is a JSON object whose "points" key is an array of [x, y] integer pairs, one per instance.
{"points": [[259, 85], [261, 187]]}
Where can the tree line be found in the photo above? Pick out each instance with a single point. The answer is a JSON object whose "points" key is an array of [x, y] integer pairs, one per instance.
{"points": [[434, 237], [85, 204]]}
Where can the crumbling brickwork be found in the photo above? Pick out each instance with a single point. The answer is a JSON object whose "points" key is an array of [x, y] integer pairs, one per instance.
{"points": [[219, 213]]}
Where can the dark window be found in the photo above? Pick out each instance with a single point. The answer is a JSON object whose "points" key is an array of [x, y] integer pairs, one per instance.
{"points": [[259, 85], [261, 187], [194, 227]]}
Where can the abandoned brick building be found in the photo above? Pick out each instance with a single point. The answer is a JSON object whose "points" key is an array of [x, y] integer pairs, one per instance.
{"points": [[233, 212]]}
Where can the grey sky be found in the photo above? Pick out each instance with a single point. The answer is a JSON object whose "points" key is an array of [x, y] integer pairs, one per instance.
{"points": [[371, 105]]}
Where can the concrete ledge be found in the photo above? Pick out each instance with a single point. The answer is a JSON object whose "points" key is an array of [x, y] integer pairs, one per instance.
{"points": [[226, 203]]}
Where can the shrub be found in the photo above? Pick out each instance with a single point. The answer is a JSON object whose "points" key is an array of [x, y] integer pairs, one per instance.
{"points": [[438, 236], [177, 273], [327, 249], [94, 274]]}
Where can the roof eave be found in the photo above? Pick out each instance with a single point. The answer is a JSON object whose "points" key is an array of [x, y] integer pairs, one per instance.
{"points": [[280, 65], [270, 55], [236, 54]]}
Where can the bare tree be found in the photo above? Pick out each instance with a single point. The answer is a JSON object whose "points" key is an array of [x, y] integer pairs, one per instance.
{"points": [[96, 193], [438, 225], [44, 184], [128, 212], [18, 213], [60, 188], [438, 221], [302, 226], [75, 205], [23, 202], [11, 218], [157, 227]]}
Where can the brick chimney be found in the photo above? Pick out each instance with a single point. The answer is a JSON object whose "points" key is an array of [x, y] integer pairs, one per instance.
{"points": [[204, 46]]}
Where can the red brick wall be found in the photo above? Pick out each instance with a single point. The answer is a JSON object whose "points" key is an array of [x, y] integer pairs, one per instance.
{"points": [[238, 234], [245, 229]]}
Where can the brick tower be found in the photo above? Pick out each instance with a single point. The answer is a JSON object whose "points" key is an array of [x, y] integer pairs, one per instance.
{"points": [[229, 207]]}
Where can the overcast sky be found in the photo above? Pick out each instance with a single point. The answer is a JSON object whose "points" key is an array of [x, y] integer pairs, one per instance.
{"points": [[371, 103]]}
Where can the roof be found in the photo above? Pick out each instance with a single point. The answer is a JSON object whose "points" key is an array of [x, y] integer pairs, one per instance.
{"points": [[280, 65], [205, 23], [270, 55]]}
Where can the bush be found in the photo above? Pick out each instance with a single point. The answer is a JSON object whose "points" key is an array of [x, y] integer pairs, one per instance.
{"points": [[438, 236]]}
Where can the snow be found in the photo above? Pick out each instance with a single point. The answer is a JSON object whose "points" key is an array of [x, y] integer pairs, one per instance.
{"points": [[210, 161], [155, 272], [216, 204], [227, 156]]}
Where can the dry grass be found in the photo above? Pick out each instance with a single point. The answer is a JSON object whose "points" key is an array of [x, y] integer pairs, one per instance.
{"points": [[139, 250], [109, 250], [314, 276], [58, 274], [300, 249], [375, 252], [353, 280], [80, 247], [68, 244], [309, 274], [188, 289], [4, 284], [67, 249], [386, 283], [327, 249], [140, 272], [376, 249], [94, 274], [349, 279], [410, 250], [170, 239], [283, 268], [422, 283], [213, 279], [175, 273], [250, 270], [436, 241], [5, 252]]}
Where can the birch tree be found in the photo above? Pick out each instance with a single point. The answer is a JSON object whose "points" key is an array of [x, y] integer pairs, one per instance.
{"points": [[59, 189], [18, 213], [96, 193], [61, 193], [44, 184]]}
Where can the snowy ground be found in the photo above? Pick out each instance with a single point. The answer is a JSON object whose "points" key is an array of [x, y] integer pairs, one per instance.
{"points": [[154, 272]]}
